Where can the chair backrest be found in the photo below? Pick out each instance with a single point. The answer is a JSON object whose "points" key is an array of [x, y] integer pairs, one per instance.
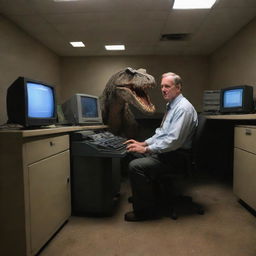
{"points": [[190, 157], [197, 139]]}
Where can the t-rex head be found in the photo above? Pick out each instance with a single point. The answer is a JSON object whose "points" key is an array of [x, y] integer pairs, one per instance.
{"points": [[125, 88]]}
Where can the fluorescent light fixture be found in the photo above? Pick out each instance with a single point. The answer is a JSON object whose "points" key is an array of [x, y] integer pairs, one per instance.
{"points": [[193, 4], [77, 44], [117, 47]]}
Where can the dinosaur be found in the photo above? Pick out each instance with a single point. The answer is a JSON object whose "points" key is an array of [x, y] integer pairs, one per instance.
{"points": [[124, 94]]}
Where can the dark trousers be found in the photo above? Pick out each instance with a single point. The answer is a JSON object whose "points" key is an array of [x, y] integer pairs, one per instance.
{"points": [[144, 173]]}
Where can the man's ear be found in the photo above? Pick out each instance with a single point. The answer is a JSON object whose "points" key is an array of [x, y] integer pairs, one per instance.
{"points": [[179, 87]]}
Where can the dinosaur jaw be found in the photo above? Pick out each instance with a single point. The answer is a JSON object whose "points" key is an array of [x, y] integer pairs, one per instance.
{"points": [[137, 97]]}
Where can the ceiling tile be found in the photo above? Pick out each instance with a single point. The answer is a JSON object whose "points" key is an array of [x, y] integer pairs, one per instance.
{"points": [[184, 21], [221, 23], [20, 7], [235, 4], [51, 7], [137, 24]]}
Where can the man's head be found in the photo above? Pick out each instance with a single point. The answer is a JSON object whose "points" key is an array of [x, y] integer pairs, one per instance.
{"points": [[171, 86]]}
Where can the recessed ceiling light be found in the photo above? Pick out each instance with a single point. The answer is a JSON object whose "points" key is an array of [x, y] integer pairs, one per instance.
{"points": [[193, 4], [117, 47], [77, 44]]}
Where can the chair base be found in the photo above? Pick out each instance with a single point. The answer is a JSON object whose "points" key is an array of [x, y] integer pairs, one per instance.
{"points": [[182, 204]]}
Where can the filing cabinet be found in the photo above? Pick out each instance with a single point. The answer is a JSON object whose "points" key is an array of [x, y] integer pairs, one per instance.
{"points": [[244, 183], [34, 190]]}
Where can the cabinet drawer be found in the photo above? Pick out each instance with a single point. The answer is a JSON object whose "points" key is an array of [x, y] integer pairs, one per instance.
{"points": [[245, 176], [42, 148], [245, 138]]}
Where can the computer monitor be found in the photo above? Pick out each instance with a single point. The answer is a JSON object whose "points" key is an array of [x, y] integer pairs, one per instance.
{"points": [[82, 109], [237, 99], [31, 103]]}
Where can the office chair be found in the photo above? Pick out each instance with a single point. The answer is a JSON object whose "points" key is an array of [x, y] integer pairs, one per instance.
{"points": [[186, 169]]}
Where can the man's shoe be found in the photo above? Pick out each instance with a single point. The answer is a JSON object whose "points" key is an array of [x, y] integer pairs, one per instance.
{"points": [[131, 216], [130, 199]]}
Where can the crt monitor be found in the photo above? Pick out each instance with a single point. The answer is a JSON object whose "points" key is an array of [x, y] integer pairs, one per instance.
{"points": [[237, 99], [31, 103], [82, 109]]}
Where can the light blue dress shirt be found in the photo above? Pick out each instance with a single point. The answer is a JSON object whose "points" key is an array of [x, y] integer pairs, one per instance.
{"points": [[177, 129]]}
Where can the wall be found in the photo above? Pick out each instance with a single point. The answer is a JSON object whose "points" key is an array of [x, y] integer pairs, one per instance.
{"points": [[235, 62], [20, 55], [90, 74]]}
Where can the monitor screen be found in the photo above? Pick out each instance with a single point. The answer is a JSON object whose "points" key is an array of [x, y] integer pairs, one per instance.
{"points": [[89, 106], [233, 98], [40, 101]]}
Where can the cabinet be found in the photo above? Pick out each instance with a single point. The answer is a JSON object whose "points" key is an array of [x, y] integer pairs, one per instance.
{"points": [[34, 189], [245, 164]]}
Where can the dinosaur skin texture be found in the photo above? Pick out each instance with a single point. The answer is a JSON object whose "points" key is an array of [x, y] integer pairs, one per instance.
{"points": [[124, 92]]}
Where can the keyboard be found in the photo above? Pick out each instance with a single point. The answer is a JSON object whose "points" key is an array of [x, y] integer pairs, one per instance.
{"points": [[108, 141], [98, 143]]}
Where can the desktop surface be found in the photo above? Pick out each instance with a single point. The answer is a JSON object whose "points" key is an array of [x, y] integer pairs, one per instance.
{"points": [[231, 116], [53, 130]]}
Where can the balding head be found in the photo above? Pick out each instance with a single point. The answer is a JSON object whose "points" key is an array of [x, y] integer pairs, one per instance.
{"points": [[176, 79]]}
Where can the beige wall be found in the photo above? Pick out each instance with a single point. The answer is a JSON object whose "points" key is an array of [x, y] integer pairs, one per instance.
{"points": [[90, 74], [235, 62], [20, 55]]}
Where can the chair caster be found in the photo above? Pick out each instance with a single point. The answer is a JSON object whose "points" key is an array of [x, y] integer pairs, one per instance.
{"points": [[200, 211], [130, 199], [174, 216]]}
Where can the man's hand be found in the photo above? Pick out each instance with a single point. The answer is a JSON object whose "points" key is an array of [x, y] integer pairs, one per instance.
{"points": [[135, 142], [136, 146]]}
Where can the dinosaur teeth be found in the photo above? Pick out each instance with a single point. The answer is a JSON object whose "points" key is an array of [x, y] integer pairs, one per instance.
{"points": [[140, 96]]}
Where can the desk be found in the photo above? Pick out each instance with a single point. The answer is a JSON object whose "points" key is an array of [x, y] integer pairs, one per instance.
{"points": [[217, 154], [34, 186]]}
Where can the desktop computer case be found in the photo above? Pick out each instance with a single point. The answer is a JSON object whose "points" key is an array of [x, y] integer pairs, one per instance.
{"points": [[95, 185], [211, 101]]}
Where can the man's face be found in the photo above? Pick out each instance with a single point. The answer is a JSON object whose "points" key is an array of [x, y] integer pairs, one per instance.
{"points": [[168, 88]]}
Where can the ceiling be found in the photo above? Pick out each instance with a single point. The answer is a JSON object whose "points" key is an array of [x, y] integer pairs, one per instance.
{"points": [[138, 24]]}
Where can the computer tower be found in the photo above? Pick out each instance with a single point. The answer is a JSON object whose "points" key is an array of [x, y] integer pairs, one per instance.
{"points": [[211, 101], [95, 185]]}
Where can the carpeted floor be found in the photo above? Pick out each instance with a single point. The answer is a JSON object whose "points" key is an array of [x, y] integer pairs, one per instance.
{"points": [[226, 229]]}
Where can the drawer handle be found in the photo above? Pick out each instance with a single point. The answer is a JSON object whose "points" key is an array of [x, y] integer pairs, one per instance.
{"points": [[248, 132], [52, 143]]}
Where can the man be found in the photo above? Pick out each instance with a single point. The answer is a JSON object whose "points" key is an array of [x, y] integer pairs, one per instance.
{"points": [[160, 151]]}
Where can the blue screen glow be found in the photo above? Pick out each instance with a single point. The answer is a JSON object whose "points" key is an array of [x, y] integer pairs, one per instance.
{"points": [[40, 101], [89, 107], [233, 98]]}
